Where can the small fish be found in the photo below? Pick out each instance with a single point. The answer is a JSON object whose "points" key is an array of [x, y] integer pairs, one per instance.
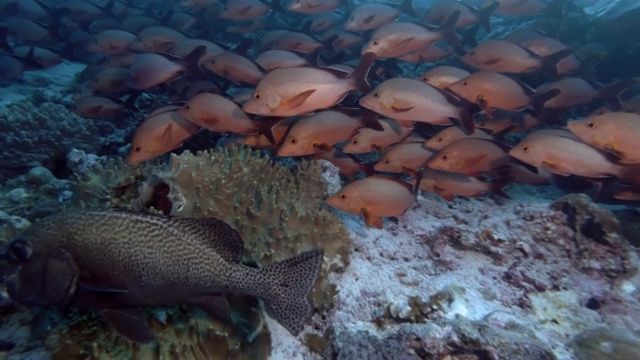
{"points": [[616, 133], [35, 57], [505, 57], [314, 6], [443, 76], [406, 158], [348, 165], [183, 48], [299, 91], [437, 51], [401, 38], [234, 67], [161, 132], [493, 90], [368, 140], [136, 24], [507, 122], [324, 22], [296, 41], [275, 59], [374, 197], [110, 80], [564, 156], [521, 7], [244, 10], [119, 262], [100, 106], [452, 133], [472, 157], [407, 100], [112, 42], [217, 113], [342, 40], [371, 15], [544, 46], [149, 70], [28, 31], [448, 184], [321, 131], [577, 91], [156, 39], [198, 4]]}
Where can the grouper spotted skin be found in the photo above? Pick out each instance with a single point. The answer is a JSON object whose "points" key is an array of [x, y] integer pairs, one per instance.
{"points": [[118, 262]]}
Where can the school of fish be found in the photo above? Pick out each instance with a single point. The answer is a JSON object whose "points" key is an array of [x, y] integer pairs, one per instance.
{"points": [[325, 78]]}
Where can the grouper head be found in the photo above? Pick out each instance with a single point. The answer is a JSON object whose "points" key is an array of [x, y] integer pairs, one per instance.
{"points": [[36, 271]]}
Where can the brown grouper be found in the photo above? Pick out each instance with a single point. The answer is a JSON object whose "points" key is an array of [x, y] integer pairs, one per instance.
{"points": [[117, 262]]}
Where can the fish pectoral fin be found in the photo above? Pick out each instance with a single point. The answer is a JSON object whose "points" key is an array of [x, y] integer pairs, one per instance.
{"points": [[553, 168], [371, 220], [323, 147], [401, 109], [404, 42], [405, 123], [369, 19], [88, 284], [245, 10], [131, 323], [473, 160], [491, 62], [167, 135], [297, 100], [611, 149], [215, 306], [484, 105]]}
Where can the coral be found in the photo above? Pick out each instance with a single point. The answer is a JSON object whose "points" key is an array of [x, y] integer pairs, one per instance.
{"points": [[40, 133]]}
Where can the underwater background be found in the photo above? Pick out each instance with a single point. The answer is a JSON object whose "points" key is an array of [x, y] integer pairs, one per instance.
{"points": [[470, 169]]}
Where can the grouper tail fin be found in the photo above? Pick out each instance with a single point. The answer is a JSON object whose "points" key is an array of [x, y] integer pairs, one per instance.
{"points": [[289, 282]]}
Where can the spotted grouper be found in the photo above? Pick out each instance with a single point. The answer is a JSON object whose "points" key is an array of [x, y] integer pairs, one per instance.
{"points": [[118, 262]]}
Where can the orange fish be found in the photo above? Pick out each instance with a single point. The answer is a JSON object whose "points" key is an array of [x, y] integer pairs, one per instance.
{"points": [[616, 133], [576, 91], [443, 76], [275, 59], [409, 100], [110, 80], [234, 67], [545, 46], [320, 131], [505, 122], [493, 90], [372, 15], [99, 106], [564, 156], [149, 70], [448, 184], [405, 158], [441, 10], [112, 42], [452, 133], [520, 7], [162, 131], [401, 38], [471, 156], [506, 57], [244, 10], [374, 197], [367, 140], [217, 113], [299, 91], [347, 164], [156, 39], [313, 6], [437, 51]]}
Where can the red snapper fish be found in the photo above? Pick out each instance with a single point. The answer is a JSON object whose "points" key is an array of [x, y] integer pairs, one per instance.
{"points": [[299, 91]]}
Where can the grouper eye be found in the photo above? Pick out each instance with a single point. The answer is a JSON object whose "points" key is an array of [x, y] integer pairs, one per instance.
{"points": [[20, 250]]}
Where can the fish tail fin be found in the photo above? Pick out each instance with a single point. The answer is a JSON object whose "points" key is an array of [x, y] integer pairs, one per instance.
{"points": [[4, 43], [484, 14], [359, 75], [539, 99], [550, 62], [191, 62], [407, 8], [289, 284], [610, 94], [448, 29]]}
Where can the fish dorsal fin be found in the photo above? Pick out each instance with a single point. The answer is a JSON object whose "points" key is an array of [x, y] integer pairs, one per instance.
{"points": [[131, 323], [216, 234]]}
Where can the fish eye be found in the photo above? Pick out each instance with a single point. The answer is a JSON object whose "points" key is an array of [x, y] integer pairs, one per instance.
{"points": [[354, 141], [439, 139], [293, 140], [425, 79], [352, 19], [137, 149], [376, 42], [21, 250], [343, 196], [256, 96], [186, 107], [443, 157], [375, 94], [464, 83], [472, 53], [386, 161], [526, 149], [591, 124]]}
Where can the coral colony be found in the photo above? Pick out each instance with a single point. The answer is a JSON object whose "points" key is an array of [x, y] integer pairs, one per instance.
{"points": [[319, 179]]}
